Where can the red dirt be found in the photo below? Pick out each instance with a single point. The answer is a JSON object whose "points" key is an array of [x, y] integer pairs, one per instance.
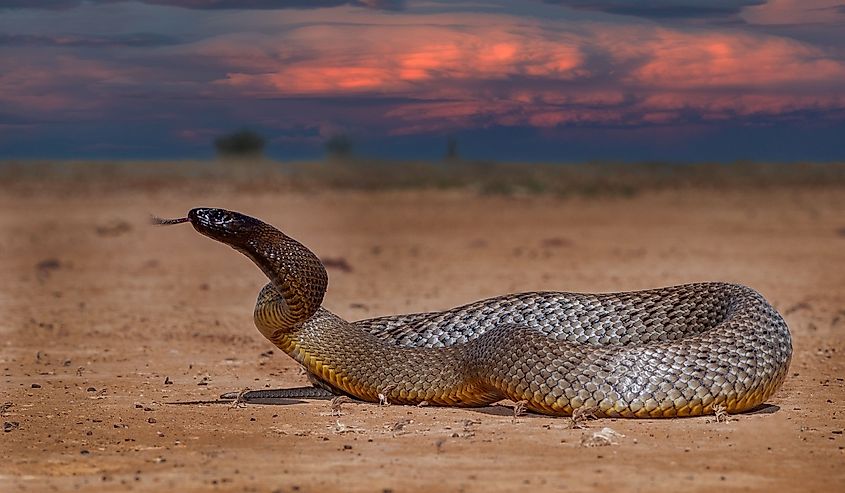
{"points": [[100, 311]]}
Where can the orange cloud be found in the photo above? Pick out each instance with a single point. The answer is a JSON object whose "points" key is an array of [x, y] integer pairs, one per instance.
{"points": [[396, 59], [731, 60], [447, 71], [498, 69]]}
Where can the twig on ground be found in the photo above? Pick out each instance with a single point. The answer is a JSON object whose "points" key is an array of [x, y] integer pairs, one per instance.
{"points": [[721, 414], [580, 416], [239, 401], [398, 428], [385, 393], [337, 403], [519, 410]]}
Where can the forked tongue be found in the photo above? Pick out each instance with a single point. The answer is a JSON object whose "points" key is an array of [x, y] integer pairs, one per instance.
{"points": [[158, 221]]}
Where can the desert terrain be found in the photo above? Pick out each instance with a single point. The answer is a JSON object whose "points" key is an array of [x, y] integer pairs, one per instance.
{"points": [[108, 322]]}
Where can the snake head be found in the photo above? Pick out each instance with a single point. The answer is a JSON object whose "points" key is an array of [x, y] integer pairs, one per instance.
{"points": [[291, 267], [232, 228]]}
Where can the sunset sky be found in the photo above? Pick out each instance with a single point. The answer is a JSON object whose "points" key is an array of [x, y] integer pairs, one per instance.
{"points": [[525, 80]]}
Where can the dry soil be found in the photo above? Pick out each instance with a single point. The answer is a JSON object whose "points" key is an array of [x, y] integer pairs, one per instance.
{"points": [[107, 322]]}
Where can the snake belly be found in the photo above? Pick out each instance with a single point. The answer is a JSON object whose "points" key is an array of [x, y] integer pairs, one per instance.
{"points": [[673, 351]]}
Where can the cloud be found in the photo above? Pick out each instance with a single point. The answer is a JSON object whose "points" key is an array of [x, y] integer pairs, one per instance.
{"points": [[421, 72], [275, 4], [39, 4], [662, 8], [795, 12], [212, 4], [730, 60], [473, 73], [49, 85], [27, 102], [137, 40], [422, 60]]}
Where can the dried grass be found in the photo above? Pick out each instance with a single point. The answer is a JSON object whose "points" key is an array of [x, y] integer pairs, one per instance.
{"points": [[581, 415], [519, 409], [591, 179], [384, 393]]}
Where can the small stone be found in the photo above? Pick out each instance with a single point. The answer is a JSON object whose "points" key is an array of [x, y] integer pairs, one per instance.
{"points": [[36, 386]]}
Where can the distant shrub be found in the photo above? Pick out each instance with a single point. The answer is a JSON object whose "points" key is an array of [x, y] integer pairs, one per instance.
{"points": [[339, 147], [243, 143], [452, 149]]}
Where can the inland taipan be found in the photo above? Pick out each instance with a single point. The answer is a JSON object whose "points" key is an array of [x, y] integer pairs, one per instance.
{"points": [[676, 351]]}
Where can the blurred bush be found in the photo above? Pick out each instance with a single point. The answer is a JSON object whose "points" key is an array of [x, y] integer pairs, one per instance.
{"points": [[339, 147], [452, 153], [241, 144]]}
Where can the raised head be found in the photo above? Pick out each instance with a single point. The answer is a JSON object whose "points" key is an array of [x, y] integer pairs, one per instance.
{"points": [[295, 271], [230, 227]]}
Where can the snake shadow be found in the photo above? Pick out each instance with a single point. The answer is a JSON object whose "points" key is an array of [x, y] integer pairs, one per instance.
{"points": [[763, 409], [261, 401], [507, 410], [499, 409]]}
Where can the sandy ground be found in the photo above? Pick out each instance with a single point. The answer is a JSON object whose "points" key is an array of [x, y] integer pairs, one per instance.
{"points": [[106, 321]]}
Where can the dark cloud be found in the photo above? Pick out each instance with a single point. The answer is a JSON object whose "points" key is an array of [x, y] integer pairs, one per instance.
{"points": [[211, 4], [39, 4], [10, 119], [273, 4], [137, 40], [671, 9]]}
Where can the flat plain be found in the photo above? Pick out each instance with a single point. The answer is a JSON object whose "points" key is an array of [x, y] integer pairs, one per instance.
{"points": [[107, 322]]}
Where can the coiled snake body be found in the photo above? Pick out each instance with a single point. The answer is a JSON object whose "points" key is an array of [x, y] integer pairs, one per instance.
{"points": [[675, 351]]}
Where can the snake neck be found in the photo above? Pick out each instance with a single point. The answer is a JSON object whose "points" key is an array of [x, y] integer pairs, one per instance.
{"points": [[298, 280]]}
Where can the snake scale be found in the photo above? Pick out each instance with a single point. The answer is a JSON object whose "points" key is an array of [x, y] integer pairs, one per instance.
{"points": [[674, 351]]}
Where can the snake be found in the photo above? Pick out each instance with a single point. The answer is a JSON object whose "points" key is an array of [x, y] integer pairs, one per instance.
{"points": [[685, 350]]}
